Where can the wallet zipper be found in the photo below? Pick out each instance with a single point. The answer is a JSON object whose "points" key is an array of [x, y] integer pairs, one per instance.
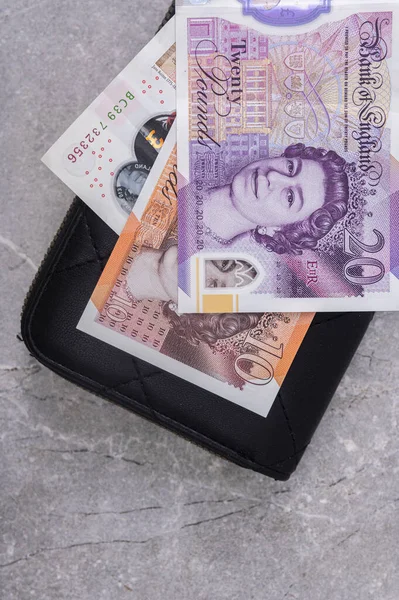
{"points": [[41, 274], [43, 264]]}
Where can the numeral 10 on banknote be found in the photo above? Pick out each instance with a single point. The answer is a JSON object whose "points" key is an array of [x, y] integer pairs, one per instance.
{"points": [[243, 358]]}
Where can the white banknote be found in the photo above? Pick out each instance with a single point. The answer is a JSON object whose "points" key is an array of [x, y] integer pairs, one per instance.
{"points": [[107, 153]]}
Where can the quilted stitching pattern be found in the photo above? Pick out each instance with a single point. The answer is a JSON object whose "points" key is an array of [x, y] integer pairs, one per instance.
{"points": [[88, 244], [147, 381]]}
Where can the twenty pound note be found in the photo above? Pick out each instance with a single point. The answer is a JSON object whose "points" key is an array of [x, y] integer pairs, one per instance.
{"points": [[243, 358], [107, 153], [288, 116]]}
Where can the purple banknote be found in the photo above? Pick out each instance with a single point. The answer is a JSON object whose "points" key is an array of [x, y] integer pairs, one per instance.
{"points": [[284, 152]]}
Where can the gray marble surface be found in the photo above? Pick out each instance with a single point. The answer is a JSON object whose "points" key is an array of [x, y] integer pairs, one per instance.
{"points": [[98, 504]]}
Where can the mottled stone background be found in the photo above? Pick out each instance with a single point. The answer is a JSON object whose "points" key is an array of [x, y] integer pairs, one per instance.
{"points": [[98, 504]]}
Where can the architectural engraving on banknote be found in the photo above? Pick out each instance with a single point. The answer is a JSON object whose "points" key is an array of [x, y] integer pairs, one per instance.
{"points": [[286, 165]]}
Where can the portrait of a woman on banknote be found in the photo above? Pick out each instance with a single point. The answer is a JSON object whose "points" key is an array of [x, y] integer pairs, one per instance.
{"points": [[288, 203], [153, 276]]}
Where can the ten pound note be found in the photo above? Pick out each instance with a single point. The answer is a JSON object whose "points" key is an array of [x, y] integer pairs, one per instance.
{"points": [[106, 154], [288, 117], [243, 358]]}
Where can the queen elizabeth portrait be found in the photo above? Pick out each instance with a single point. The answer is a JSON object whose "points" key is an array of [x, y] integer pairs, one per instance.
{"points": [[288, 203]]}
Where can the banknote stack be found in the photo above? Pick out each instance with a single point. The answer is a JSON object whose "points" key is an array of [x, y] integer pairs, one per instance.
{"points": [[248, 165]]}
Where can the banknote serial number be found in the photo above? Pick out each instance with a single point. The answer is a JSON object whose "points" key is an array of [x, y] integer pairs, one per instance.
{"points": [[90, 137]]}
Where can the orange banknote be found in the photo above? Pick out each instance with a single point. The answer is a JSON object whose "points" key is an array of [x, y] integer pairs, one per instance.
{"points": [[241, 357]]}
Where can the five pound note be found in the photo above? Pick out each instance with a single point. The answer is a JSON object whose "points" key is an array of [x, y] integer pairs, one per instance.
{"points": [[107, 153]]}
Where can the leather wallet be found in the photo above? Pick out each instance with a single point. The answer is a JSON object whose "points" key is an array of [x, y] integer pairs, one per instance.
{"points": [[271, 445]]}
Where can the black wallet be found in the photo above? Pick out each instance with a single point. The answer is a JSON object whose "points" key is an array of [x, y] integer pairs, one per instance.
{"points": [[271, 445]]}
